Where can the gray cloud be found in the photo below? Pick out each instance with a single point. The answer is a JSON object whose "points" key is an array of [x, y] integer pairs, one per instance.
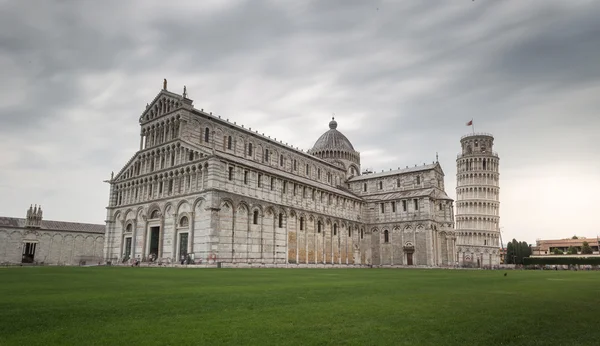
{"points": [[402, 79]]}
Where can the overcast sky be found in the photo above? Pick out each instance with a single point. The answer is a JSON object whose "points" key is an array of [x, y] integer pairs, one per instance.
{"points": [[402, 77]]}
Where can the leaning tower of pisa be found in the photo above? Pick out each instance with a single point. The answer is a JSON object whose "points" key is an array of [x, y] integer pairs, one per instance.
{"points": [[477, 202]]}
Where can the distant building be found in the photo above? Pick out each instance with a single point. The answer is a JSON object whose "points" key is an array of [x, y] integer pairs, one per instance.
{"points": [[34, 240], [545, 247]]}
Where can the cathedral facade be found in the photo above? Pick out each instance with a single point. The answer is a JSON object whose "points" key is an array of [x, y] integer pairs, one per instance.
{"points": [[205, 189]]}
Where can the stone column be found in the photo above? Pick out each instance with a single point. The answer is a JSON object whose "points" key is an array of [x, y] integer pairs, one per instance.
{"points": [[133, 238], [145, 239], [175, 255], [191, 234], [162, 234]]}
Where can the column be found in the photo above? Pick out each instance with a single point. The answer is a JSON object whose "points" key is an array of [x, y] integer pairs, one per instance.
{"points": [[191, 234], [174, 253], [133, 238], [162, 234]]}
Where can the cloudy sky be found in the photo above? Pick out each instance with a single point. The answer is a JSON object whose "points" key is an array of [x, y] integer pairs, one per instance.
{"points": [[402, 77]]}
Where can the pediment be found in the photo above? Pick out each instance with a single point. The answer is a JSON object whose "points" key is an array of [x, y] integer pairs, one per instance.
{"points": [[134, 166], [164, 103]]}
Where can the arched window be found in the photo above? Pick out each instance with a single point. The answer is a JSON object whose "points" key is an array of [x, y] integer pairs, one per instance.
{"points": [[206, 134], [301, 223], [418, 179], [128, 228], [229, 142], [280, 220], [318, 226], [249, 149], [362, 233], [281, 160], [184, 222], [349, 232], [381, 185], [154, 215], [386, 236], [255, 217], [334, 229]]}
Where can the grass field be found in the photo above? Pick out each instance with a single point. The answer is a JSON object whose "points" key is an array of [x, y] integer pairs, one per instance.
{"points": [[165, 306]]}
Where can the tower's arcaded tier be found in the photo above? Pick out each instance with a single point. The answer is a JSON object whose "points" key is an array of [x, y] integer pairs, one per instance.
{"points": [[477, 202]]}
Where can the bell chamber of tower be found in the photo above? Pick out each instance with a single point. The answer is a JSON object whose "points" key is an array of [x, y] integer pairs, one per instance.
{"points": [[477, 202], [334, 147]]}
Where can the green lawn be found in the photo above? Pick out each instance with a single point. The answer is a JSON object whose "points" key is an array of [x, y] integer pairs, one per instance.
{"points": [[168, 306]]}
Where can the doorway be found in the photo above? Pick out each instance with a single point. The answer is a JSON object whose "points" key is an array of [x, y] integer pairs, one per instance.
{"points": [[183, 245], [154, 241], [409, 259], [28, 252], [127, 248]]}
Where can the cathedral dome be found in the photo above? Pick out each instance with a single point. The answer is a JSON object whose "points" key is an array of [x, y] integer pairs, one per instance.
{"points": [[332, 140]]}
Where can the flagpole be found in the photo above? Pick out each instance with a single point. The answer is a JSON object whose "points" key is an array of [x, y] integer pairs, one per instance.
{"points": [[473, 126]]}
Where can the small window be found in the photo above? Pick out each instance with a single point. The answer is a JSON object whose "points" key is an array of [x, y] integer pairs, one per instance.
{"points": [[304, 192], [365, 187], [255, 217], [362, 233], [281, 160], [484, 242], [249, 149], [398, 182], [307, 169], [272, 183], [301, 223], [319, 173], [258, 180], [295, 165], [416, 204], [294, 189], [266, 155], [191, 158], [230, 173], [280, 220], [284, 186], [404, 205], [154, 215], [418, 179], [334, 229], [245, 177], [441, 207], [381, 185], [393, 207], [313, 194], [386, 236], [382, 205], [229, 142], [349, 232], [128, 229], [206, 134], [318, 226]]}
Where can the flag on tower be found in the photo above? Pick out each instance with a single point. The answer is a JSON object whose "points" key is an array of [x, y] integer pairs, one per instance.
{"points": [[470, 123]]}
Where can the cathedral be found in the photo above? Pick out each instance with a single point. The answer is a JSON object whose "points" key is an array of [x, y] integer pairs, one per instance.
{"points": [[206, 190]]}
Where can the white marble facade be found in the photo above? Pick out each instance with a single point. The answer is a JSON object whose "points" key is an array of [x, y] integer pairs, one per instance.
{"points": [[477, 202], [33, 240], [221, 192]]}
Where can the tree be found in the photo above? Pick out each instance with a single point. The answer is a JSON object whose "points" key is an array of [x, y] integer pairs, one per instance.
{"points": [[572, 250], [557, 251], [586, 249], [510, 252], [574, 237]]}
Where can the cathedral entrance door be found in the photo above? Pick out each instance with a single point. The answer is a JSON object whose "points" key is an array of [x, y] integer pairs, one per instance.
{"points": [[154, 237], [409, 260], [183, 245], [127, 247]]}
